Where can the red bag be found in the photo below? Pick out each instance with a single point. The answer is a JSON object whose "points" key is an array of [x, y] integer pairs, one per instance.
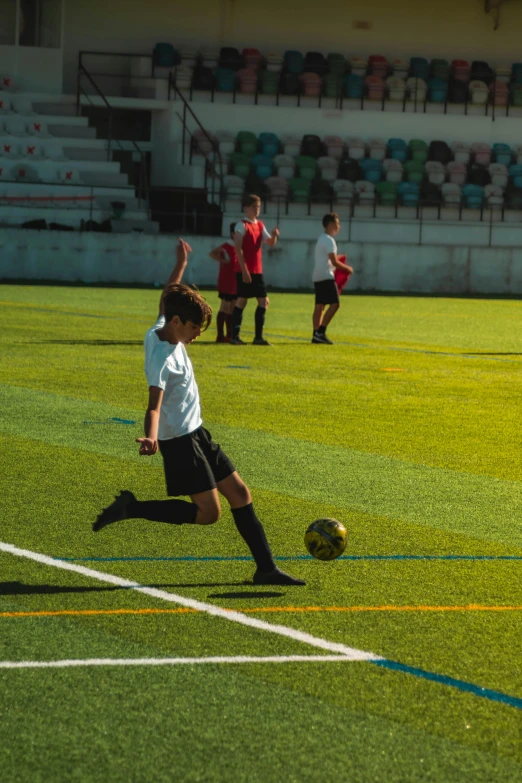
{"points": [[340, 276]]}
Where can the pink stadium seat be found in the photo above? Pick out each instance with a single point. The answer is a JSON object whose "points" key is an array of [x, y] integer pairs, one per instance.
{"points": [[457, 172], [247, 80], [461, 69], [376, 87], [378, 65], [253, 58], [334, 147], [393, 170], [311, 85], [481, 153], [499, 93]]}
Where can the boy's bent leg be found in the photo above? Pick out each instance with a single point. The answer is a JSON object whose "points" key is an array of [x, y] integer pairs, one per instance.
{"points": [[209, 509], [330, 314], [251, 530], [173, 512]]}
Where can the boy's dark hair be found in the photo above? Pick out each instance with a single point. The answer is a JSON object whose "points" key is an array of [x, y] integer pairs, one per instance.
{"points": [[188, 304], [331, 217], [250, 200], [233, 228]]}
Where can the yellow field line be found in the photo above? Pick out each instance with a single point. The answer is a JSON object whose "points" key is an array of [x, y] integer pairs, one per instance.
{"points": [[183, 610]]}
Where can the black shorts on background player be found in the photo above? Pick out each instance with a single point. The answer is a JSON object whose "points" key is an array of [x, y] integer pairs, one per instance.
{"points": [[254, 290], [326, 292]]}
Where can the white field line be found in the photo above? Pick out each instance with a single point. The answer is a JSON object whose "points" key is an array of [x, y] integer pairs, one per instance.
{"points": [[170, 661], [216, 611]]}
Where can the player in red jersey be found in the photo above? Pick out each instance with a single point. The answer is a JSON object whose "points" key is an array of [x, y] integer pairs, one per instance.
{"points": [[226, 255], [249, 235]]}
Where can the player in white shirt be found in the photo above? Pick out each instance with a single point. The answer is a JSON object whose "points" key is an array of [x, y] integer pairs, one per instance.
{"points": [[326, 262], [194, 464]]}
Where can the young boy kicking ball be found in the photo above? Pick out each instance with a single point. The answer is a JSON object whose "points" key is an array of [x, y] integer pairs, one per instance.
{"points": [[226, 256], [194, 465], [326, 262], [249, 236]]}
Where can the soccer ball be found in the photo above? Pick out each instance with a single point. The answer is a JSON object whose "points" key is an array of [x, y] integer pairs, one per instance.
{"points": [[325, 539]]}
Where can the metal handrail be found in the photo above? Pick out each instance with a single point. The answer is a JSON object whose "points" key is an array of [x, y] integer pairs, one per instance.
{"points": [[143, 175], [211, 164]]}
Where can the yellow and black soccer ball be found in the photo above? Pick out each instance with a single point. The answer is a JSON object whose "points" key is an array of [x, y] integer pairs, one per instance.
{"points": [[325, 539]]}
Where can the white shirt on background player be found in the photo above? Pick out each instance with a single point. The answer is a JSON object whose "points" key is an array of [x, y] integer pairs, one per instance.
{"points": [[169, 368], [324, 269], [240, 228]]}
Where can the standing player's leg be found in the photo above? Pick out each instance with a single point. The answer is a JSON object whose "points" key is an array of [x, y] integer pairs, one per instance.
{"points": [[317, 317], [237, 320], [234, 489], [228, 320], [262, 304], [221, 321]]}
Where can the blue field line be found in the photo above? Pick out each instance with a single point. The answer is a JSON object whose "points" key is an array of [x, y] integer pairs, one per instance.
{"points": [[461, 685], [215, 558]]}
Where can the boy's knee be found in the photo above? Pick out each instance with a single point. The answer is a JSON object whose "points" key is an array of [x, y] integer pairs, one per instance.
{"points": [[208, 515], [243, 496]]}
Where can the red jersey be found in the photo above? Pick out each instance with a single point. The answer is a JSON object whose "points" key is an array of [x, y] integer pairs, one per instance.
{"points": [[252, 246], [227, 271]]}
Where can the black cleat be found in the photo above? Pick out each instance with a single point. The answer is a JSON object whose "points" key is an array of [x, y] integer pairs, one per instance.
{"points": [[115, 512], [275, 577], [260, 341], [320, 337], [237, 341]]}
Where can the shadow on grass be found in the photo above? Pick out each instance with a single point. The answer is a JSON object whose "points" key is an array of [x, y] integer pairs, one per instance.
{"points": [[247, 594], [18, 588], [87, 342]]}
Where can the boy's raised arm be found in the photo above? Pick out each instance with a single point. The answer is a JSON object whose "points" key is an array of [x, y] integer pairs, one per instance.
{"points": [[182, 250]]}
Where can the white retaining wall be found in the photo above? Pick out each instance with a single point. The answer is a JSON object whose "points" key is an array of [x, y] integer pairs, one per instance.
{"points": [[137, 258]]}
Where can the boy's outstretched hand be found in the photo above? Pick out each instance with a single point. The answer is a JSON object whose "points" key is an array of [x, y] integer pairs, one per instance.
{"points": [[148, 447]]}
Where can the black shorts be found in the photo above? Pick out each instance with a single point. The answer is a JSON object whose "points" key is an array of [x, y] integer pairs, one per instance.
{"points": [[326, 292], [227, 297], [194, 463], [254, 290]]}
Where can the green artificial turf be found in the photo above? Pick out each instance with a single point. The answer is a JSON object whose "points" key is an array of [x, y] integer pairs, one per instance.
{"points": [[406, 429]]}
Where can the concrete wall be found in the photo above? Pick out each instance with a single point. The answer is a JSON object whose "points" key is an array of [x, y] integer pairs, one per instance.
{"points": [[102, 258], [404, 27]]}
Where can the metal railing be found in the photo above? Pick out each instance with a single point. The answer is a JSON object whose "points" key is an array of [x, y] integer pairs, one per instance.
{"points": [[142, 187]]}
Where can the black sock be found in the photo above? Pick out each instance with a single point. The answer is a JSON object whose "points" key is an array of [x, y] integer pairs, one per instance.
{"points": [[252, 532], [220, 323], [260, 321], [237, 318], [230, 328], [321, 330], [175, 512]]}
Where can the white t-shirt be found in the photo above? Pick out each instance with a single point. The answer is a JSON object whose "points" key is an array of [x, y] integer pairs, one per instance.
{"points": [[324, 269], [168, 367], [240, 228]]}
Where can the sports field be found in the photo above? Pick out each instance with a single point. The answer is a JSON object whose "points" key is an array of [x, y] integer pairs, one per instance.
{"points": [[169, 665]]}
